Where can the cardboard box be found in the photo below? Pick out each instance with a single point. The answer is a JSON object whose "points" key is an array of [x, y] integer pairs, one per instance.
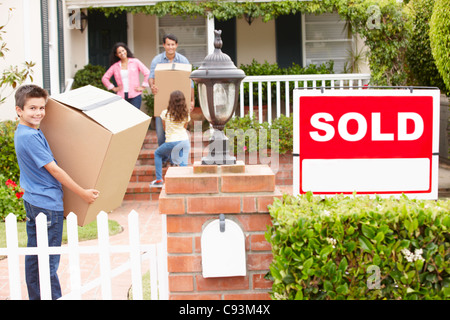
{"points": [[168, 78], [96, 137]]}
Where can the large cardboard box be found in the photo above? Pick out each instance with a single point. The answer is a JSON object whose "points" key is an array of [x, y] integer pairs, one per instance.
{"points": [[168, 78], [96, 137]]}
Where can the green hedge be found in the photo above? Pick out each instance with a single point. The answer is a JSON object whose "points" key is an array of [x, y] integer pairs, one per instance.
{"points": [[248, 134], [9, 167], [440, 38], [89, 75], [256, 68], [419, 56], [346, 247]]}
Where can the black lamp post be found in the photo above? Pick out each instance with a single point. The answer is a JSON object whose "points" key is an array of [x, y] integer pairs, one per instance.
{"points": [[218, 82]]}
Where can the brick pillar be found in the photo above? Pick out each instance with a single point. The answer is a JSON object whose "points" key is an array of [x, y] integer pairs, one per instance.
{"points": [[193, 196]]}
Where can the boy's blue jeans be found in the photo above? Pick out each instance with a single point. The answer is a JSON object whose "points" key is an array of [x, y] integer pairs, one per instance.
{"points": [[177, 150], [55, 221]]}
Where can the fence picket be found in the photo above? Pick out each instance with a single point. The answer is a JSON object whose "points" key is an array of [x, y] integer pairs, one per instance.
{"points": [[163, 285], [12, 245], [340, 81], [74, 256], [135, 255], [43, 256], [153, 274], [104, 252]]}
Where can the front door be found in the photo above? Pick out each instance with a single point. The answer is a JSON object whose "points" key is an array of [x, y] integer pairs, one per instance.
{"points": [[103, 34]]}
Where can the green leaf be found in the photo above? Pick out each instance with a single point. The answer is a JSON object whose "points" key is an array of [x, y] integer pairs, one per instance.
{"points": [[308, 263], [366, 245], [379, 237], [368, 231], [326, 251], [343, 264], [299, 294], [342, 289], [328, 286], [289, 278]]}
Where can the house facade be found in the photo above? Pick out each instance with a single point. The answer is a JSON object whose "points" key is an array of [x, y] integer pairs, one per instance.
{"points": [[62, 36]]}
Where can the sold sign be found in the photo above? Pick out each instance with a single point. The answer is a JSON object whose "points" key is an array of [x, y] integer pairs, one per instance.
{"points": [[366, 141]]}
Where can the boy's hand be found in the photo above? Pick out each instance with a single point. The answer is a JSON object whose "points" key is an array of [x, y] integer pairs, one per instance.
{"points": [[90, 195]]}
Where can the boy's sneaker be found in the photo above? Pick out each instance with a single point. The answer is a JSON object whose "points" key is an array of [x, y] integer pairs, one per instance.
{"points": [[157, 183]]}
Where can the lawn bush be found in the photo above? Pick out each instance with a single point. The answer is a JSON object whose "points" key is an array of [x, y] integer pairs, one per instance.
{"points": [[11, 199], [89, 75], [256, 68], [247, 134], [9, 167], [440, 38], [348, 247], [419, 56]]}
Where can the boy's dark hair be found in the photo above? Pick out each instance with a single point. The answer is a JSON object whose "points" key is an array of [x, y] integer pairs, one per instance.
{"points": [[171, 37], [28, 91]]}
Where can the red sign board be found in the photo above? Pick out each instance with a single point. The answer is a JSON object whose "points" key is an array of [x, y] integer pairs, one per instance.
{"points": [[366, 141]]}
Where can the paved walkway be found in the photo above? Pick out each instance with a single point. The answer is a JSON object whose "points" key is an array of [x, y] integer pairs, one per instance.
{"points": [[150, 232]]}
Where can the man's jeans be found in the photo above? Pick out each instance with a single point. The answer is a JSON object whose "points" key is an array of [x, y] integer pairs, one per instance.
{"points": [[160, 134], [55, 229], [178, 151]]}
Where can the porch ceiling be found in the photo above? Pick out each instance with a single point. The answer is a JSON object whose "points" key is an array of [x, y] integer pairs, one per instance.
{"points": [[109, 3], [127, 3]]}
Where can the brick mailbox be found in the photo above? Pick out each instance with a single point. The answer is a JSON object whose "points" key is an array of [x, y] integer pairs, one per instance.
{"points": [[192, 198]]}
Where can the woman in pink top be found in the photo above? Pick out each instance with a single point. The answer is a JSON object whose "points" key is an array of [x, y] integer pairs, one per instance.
{"points": [[126, 70]]}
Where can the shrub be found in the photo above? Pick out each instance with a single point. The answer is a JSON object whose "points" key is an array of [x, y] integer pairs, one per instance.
{"points": [[385, 28], [285, 127], [419, 56], [346, 247], [251, 135], [11, 199], [440, 38], [256, 69], [90, 74], [9, 167]]}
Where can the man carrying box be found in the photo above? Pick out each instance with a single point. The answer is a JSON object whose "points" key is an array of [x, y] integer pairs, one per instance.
{"points": [[170, 44]]}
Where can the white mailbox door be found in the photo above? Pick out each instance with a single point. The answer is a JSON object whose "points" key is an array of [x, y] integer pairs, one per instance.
{"points": [[223, 253]]}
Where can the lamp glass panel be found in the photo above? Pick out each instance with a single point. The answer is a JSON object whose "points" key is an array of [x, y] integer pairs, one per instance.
{"points": [[224, 94], [203, 100]]}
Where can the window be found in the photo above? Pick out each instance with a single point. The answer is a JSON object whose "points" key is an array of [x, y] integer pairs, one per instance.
{"points": [[191, 34], [326, 37]]}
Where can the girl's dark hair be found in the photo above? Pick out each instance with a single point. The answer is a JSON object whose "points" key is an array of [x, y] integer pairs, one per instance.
{"points": [[177, 108], [28, 91], [112, 56]]}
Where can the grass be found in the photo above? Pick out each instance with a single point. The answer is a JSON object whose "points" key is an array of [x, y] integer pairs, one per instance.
{"points": [[146, 292], [87, 232]]}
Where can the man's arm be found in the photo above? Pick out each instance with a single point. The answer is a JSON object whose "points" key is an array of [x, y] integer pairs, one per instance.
{"points": [[88, 195]]}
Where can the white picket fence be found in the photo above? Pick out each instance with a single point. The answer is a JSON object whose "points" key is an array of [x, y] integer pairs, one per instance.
{"points": [[156, 254], [260, 99]]}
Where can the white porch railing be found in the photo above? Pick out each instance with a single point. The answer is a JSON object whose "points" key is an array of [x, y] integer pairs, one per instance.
{"points": [[270, 102], [276, 96], [155, 253]]}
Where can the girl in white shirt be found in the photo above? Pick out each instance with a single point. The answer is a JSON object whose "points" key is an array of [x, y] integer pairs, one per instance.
{"points": [[175, 119]]}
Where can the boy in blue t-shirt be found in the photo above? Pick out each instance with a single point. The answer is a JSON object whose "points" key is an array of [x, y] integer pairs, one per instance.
{"points": [[42, 180]]}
